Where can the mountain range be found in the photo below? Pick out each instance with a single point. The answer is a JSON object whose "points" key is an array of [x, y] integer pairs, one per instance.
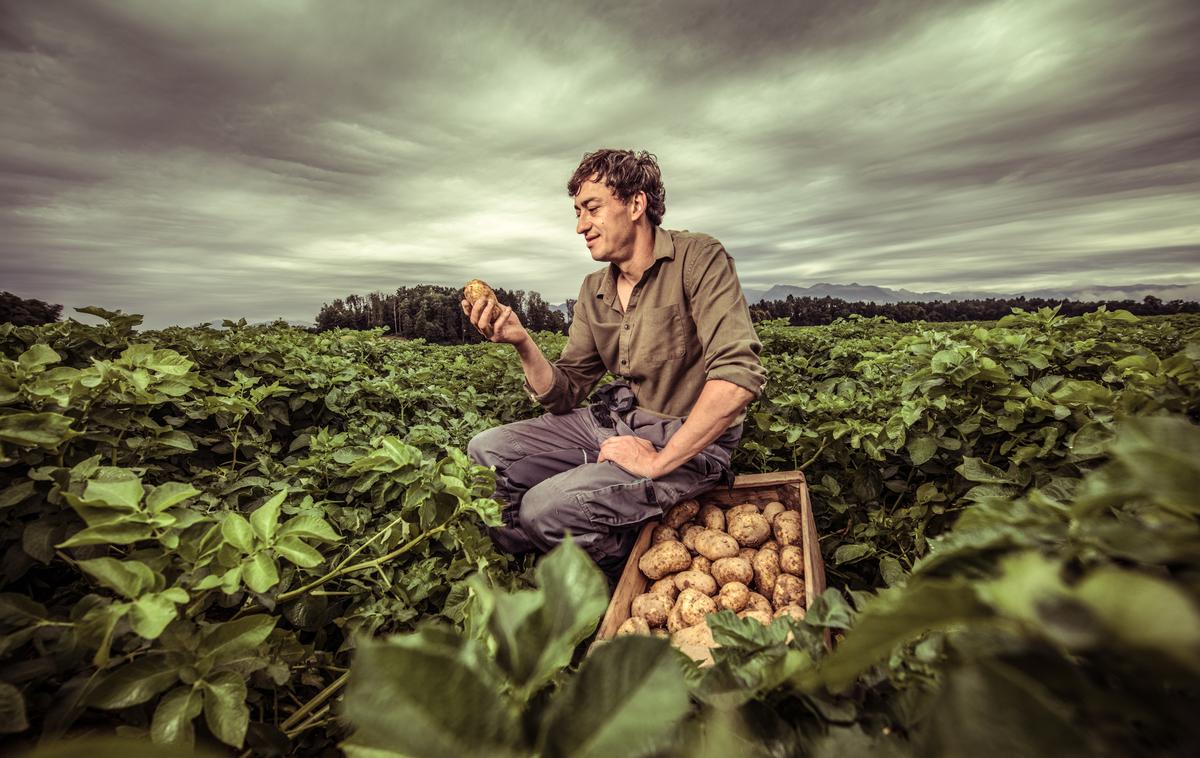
{"points": [[863, 293]]}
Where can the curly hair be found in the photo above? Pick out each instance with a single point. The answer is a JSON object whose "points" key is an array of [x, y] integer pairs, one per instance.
{"points": [[626, 174]]}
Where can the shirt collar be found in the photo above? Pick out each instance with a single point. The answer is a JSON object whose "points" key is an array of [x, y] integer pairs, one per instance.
{"points": [[664, 247]]}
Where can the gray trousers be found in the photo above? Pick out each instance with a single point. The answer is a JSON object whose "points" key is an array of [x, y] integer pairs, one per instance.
{"points": [[549, 482]]}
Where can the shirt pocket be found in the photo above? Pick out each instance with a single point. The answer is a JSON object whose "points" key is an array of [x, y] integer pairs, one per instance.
{"points": [[662, 334]]}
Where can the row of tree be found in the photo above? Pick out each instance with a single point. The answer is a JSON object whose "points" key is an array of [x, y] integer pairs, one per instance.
{"points": [[22, 312], [433, 313], [812, 311]]}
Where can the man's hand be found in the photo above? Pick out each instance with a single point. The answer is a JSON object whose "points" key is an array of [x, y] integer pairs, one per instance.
{"points": [[634, 454], [507, 327]]}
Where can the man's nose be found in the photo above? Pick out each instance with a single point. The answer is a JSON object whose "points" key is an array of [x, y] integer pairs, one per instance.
{"points": [[582, 225]]}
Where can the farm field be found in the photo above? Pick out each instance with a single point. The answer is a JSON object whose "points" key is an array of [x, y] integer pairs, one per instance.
{"points": [[208, 533]]}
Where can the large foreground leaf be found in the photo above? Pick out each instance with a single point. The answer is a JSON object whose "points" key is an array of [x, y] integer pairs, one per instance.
{"points": [[627, 700]]}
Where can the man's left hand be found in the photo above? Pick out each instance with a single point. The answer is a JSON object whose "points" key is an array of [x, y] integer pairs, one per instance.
{"points": [[634, 454]]}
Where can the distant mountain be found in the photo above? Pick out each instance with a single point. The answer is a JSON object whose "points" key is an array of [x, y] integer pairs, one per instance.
{"points": [[866, 293]]}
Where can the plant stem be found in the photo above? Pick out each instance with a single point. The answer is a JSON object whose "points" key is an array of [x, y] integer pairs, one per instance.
{"points": [[342, 569]]}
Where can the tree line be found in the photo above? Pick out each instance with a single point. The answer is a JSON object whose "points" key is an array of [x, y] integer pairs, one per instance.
{"points": [[433, 313], [813, 311], [21, 312]]}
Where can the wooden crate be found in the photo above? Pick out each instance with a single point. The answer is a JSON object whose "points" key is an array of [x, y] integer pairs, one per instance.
{"points": [[788, 487]]}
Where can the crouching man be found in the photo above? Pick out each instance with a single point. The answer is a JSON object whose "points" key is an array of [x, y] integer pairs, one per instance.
{"points": [[667, 317]]}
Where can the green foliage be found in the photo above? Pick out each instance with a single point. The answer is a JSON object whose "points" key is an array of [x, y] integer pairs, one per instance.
{"points": [[438, 693], [201, 527]]}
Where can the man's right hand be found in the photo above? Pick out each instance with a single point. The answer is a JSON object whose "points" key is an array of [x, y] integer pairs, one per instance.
{"points": [[506, 328]]}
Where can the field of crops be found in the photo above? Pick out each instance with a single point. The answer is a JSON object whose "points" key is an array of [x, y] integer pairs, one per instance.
{"points": [[208, 533]]}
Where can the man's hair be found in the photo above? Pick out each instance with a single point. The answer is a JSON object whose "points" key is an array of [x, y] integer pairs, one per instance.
{"points": [[626, 174]]}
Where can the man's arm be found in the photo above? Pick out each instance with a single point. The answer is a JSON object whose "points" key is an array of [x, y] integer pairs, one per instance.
{"points": [[720, 402]]}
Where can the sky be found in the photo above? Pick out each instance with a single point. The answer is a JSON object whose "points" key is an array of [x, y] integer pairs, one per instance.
{"points": [[195, 160]]}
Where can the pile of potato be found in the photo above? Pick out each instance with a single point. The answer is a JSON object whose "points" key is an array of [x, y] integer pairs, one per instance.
{"points": [[705, 559]]}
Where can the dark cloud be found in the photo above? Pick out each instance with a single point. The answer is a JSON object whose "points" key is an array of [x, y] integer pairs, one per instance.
{"points": [[193, 160]]}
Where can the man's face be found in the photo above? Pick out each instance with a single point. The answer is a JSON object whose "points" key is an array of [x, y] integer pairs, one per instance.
{"points": [[605, 222]]}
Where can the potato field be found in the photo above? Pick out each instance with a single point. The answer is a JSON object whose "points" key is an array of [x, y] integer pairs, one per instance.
{"points": [[261, 541]]}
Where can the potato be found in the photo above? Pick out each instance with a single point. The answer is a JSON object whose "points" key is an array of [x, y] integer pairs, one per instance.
{"points": [[748, 553], [712, 517], [674, 620], [665, 558], [773, 509], [762, 617], [726, 570], [652, 606], [715, 545], [737, 510], [787, 528], [660, 632], [766, 570], [663, 534], [680, 513], [769, 545], [701, 564], [696, 580], [788, 591], [750, 529], [757, 602], [689, 534], [694, 605], [665, 586], [733, 597], [791, 560], [794, 611], [477, 290], [633, 625], [696, 635]]}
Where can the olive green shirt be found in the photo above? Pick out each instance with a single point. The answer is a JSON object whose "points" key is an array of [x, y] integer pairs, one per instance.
{"points": [[687, 322]]}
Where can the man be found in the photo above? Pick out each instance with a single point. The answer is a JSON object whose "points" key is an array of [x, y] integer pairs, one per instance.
{"points": [[667, 318]]}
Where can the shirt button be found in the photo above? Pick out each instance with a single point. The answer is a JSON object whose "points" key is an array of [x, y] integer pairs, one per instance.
{"points": [[623, 361], [627, 326]]}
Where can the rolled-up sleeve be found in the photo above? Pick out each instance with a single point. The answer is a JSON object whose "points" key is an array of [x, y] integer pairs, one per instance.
{"points": [[578, 368], [722, 316]]}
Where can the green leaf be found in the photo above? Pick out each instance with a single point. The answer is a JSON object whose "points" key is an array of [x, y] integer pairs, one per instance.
{"points": [[536, 631], [233, 638], [109, 534], [921, 449], [225, 709], [12, 710], [166, 495], [975, 470], [851, 553], [260, 572], [237, 532], [124, 492], [134, 683], [1163, 456], [37, 356], [17, 493], [298, 552], [627, 699], [420, 697], [311, 527], [127, 578], [894, 617], [1125, 601], [265, 519], [151, 613], [172, 723], [35, 429]]}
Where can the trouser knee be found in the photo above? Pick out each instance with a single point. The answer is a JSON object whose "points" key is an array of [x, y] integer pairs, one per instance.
{"points": [[488, 447]]}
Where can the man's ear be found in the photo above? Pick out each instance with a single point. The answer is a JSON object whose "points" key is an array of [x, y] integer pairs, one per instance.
{"points": [[638, 204]]}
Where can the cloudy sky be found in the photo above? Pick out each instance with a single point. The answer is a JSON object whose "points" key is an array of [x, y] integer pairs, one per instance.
{"points": [[192, 160]]}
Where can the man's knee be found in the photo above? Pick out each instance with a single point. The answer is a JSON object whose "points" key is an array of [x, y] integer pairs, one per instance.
{"points": [[488, 448]]}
